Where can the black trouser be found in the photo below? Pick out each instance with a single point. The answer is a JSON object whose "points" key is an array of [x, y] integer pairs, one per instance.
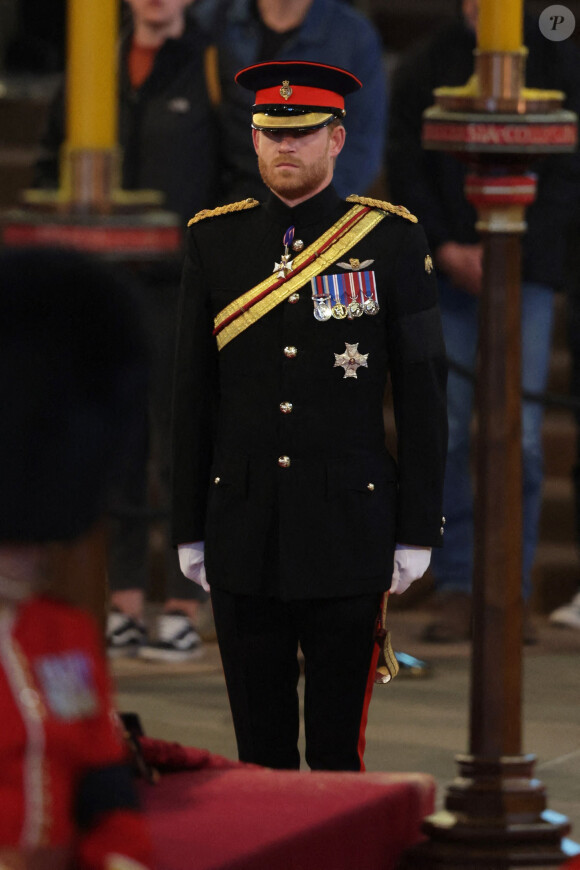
{"points": [[258, 639], [130, 522]]}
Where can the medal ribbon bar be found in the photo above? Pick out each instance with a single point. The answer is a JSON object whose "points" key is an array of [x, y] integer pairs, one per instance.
{"points": [[255, 303], [243, 303], [349, 294]]}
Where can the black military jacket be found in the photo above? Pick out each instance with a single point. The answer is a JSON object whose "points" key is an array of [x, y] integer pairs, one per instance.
{"points": [[279, 459]]}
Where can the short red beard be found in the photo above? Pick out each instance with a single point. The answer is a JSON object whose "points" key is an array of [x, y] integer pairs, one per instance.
{"points": [[299, 183]]}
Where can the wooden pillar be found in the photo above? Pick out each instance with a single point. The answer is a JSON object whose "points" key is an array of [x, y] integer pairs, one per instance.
{"points": [[494, 814], [497, 600]]}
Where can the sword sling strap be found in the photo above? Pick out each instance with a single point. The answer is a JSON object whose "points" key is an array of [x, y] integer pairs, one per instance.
{"points": [[248, 308], [387, 666]]}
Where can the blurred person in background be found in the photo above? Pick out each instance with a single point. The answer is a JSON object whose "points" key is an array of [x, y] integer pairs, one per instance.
{"points": [[430, 183], [168, 138]]}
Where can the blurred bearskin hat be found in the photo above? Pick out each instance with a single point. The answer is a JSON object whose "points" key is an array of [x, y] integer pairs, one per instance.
{"points": [[73, 377]]}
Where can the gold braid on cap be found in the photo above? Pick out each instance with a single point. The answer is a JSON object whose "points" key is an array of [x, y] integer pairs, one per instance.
{"points": [[224, 209], [399, 210]]}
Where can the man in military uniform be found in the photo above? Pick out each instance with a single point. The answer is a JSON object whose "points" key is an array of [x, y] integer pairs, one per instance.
{"points": [[293, 313]]}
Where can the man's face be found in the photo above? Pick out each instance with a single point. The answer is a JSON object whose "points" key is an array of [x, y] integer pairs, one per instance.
{"points": [[158, 12], [296, 165], [470, 9]]}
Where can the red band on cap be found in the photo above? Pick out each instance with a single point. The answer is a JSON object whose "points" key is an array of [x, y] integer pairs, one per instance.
{"points": [[300, 96]]}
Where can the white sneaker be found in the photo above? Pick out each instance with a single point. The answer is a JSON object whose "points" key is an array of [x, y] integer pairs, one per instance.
{"points": [[568, 614], [177, 640], [124, 634]]}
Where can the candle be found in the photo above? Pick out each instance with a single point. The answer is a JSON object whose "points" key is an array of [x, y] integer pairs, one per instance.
{"points": [[91, 74], [500, 25]]}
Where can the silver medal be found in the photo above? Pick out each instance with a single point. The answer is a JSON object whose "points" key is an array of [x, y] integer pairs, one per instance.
{"points": [[322, 310], [371, 306]]}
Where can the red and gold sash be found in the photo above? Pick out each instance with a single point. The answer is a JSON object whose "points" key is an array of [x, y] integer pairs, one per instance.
{"points": [[248, 308]]}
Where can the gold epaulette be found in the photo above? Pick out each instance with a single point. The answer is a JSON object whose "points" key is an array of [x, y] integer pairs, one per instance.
{"points": [[224, 209], [399, 210]]}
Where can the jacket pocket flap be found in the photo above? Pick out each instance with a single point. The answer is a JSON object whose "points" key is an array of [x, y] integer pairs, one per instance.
{"points": [[367, 474], [230, 471]]}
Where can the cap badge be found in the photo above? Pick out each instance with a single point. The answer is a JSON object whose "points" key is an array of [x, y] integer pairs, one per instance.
{"points": [[350, 360], [428, 264], [286, 90]]}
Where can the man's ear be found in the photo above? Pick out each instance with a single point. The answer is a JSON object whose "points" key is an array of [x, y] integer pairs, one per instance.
{"points": [[337, 139], [256, 139]]}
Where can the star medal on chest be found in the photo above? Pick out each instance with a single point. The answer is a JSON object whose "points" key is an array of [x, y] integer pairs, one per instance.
{"points": [[350, 360], [285, 266]]}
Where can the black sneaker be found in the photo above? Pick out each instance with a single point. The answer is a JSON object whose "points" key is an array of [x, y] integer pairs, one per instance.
{"points": [[125, 635], [177, 640]]}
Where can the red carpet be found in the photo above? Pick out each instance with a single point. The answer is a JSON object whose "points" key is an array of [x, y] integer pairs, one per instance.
{"points": [[220, 814]]}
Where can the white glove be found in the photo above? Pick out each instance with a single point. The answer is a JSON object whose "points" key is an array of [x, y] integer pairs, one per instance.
{"points": [[191, 562], [410, 564]]}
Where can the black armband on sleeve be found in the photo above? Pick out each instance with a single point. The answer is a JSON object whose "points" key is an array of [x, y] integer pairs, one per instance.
{"points": [[419, 336]]}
